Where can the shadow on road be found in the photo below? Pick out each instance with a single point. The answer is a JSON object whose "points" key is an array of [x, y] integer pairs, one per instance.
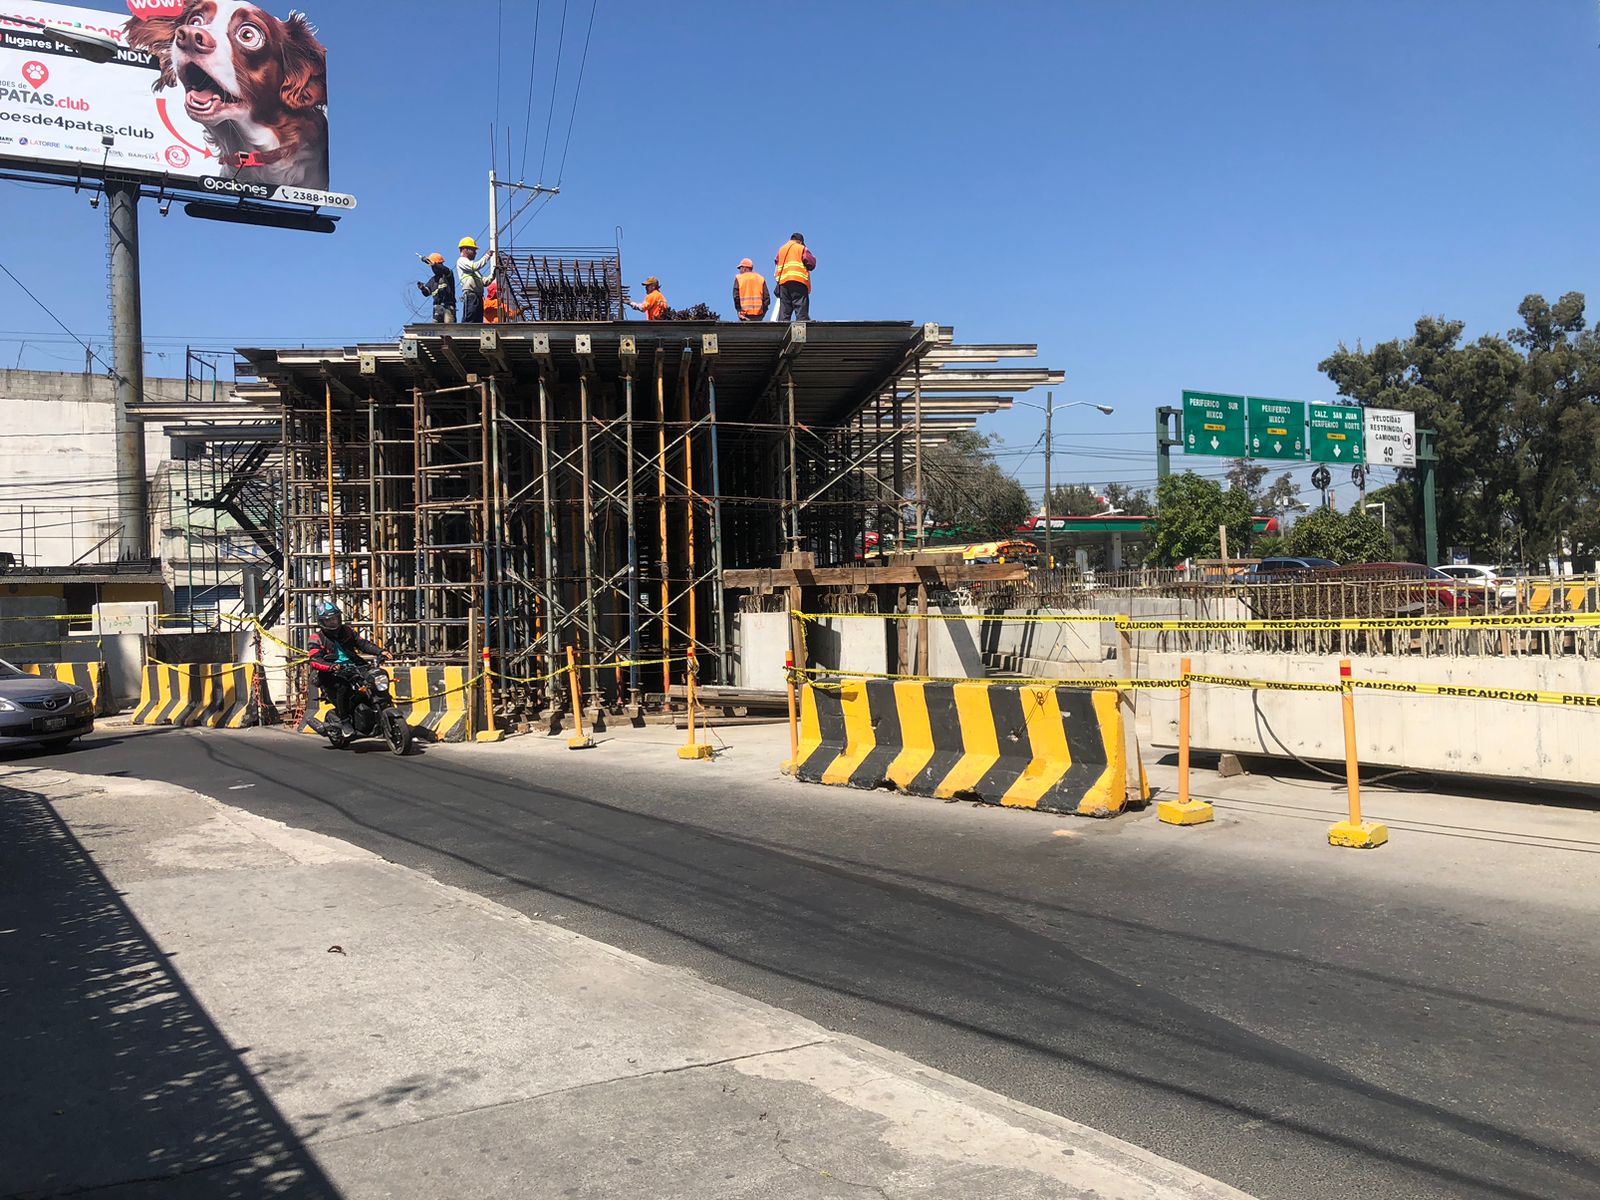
{"points": [[112, 1076]]}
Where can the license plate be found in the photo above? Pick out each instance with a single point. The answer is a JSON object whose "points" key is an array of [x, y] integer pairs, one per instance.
{"points": [[52, 723]]}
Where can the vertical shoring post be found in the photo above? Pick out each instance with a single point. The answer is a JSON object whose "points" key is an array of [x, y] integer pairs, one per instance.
{"points": [[588, 536], [633, 551], [552, 628], [684, 390], [717, 601], [794, 468], [665, 560], [375, 610], [916, 400], [877, 480], [419, 570], [327, 441], [899, 474], [485, 533], [501, 622]]}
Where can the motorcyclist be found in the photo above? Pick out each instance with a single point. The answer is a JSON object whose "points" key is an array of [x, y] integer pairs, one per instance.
{"points": [[333, 646]]}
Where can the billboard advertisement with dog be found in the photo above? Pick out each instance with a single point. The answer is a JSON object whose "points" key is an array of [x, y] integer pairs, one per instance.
{"points": [[217, 96]]}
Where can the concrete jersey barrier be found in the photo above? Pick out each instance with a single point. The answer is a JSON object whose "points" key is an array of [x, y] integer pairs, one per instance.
{"points": [[434, 700], [1059, 749], [88, 676], [215, 695]]}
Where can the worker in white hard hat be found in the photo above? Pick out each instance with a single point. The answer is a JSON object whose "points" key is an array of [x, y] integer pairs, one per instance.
{"points": [[474, 279], [751, 299]]}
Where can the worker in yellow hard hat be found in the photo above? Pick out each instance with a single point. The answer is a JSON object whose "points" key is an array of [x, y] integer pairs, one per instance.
{"points": [[654, 306], [440, 288], [470, 271], [751, 299]]}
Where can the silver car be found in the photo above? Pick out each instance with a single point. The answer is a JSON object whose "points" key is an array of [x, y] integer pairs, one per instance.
{"points": [[41, 712]]}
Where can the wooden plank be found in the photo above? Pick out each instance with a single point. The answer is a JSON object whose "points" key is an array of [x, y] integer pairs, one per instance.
{"points": [[764, 579]]}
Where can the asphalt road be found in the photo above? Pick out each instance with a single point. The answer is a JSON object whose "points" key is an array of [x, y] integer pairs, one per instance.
{"points": [[1295, 1024]]}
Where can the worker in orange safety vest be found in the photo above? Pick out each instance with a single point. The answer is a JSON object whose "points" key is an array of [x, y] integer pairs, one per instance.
{"points": [[654, 307], [795, 264], [750, 296], [495, 310]]}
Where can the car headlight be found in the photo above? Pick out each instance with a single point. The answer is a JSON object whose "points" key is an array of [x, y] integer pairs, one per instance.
{"points": [[79, 696], [7, 706]]}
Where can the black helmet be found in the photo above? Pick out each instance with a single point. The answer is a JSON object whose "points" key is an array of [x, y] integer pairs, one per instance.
{"points": [[329, 616]]}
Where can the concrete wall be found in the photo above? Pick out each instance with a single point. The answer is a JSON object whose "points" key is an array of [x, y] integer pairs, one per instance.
{"points": [[834, 643], [58, 461], [1526, 742]]}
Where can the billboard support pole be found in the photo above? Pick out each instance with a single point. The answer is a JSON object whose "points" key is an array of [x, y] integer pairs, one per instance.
{"points": [[127, 345]]}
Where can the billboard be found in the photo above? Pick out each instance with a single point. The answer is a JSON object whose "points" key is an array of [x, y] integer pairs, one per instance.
{"points": [[216, 96]]}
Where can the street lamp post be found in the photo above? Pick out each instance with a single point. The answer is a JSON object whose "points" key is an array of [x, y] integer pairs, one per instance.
{"points": [[1049, 408]]}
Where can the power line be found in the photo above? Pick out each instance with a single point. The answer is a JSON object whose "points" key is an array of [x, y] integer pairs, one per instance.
{"points": [[578, 91], [550, 110], [49, 313], [533, 65]]}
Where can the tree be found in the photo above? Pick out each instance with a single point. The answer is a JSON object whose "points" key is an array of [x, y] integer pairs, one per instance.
{"points": [[1189, 511], [966, 488], [1281, 498], [1245, 476], [1518, 423], [1134, 503], [1073, 500], [1344, 537]]}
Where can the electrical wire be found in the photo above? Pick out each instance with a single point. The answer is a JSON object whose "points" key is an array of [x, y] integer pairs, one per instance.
{"points": [[533, 64], [51, 314], [550, 109], [572, 118]]}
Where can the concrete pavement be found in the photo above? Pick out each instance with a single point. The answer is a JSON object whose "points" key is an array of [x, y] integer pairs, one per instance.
{"points": [[204, 1002]]}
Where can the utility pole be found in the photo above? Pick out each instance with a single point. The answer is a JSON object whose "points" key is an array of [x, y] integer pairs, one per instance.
{"points": [[1049, 447], [1169, 433], [127, 357]]}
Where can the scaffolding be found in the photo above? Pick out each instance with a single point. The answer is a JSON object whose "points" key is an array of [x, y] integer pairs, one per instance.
{"points": [[519, 490]]}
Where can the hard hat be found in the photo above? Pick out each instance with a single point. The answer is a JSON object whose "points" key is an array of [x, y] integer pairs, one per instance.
{"points": [[652, 281], [745, 262], [436, 259], [467, 243]]}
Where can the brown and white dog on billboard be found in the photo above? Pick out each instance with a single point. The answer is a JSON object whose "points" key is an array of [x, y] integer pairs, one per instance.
{"points": [[258, 85]]}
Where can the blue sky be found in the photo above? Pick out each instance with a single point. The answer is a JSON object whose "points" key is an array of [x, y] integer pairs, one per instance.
{"points": [[1160, 194]]}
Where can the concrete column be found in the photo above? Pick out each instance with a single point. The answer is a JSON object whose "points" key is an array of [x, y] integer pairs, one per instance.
{"points": [[127, 344]]}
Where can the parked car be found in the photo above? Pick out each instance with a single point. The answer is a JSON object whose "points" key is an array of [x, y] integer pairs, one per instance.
{"points": [[1279, 569], [1483, 585], [1397, 589], [41, 712]]}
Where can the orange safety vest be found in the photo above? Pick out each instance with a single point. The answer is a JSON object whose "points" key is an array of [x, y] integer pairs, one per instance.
{"points": [[655, 305], [791, 267], [750, 287], [491, 312]]}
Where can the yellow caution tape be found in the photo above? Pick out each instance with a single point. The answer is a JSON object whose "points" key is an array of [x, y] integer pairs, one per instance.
{"points": [[1026, 681], [1512, 621], [1262, 685], [1461, 692], [1020, 618]]}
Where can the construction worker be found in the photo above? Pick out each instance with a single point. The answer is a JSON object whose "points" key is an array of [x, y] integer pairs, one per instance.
{"points": [[654, 307], [750, 296], [495, 310], [795, 264], [441, 288], [470, 272]]}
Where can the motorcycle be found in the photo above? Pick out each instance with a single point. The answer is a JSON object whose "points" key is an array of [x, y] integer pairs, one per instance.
{"points": [[373, 712]]}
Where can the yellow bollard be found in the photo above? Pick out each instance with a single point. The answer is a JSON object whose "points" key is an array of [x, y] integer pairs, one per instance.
{"points": [[489, 733], [1183, 811], [693, 750], [579, 740], [1362, 835], [789, 767]]}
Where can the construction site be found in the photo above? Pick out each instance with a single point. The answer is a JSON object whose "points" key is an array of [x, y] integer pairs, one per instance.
{"points": [[503, 496]]}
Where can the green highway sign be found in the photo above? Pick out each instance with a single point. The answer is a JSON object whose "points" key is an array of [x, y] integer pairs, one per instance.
{"points": [[1338, 434], [1277, 428], [1213, 424]]}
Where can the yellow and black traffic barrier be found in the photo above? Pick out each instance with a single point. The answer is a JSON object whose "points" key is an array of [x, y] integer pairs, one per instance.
{"points": [[215, 695], [435, 701], [1059, 749], [88, 676]]}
